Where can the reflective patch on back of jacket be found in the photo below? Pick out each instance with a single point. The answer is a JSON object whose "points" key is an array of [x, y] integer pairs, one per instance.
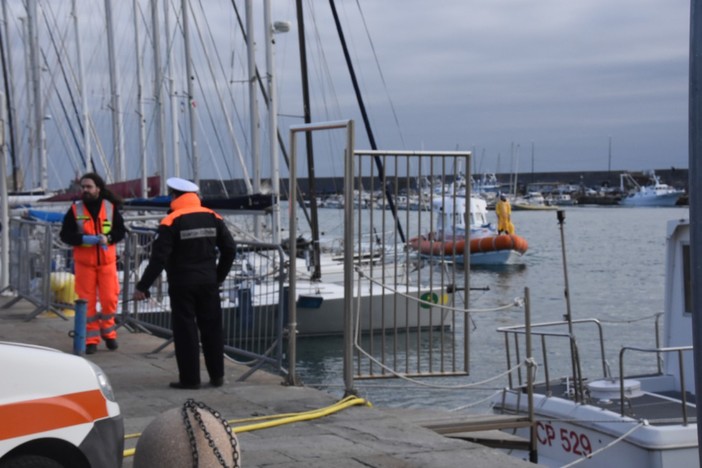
{"points": [[198, 233]]}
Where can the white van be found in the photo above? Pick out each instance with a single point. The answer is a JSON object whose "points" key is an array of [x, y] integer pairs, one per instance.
{"points": [[57, 410]]}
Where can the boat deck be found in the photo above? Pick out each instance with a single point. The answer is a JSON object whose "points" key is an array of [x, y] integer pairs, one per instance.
{"points": [[658, 409]]}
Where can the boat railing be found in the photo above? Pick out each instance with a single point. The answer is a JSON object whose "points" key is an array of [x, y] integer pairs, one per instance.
{"points": [[678, 350], [512, 333]]}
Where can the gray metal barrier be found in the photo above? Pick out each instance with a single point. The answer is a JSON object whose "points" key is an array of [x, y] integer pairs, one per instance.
{"points": [[41, 267], [253, 301], [253, 296]]}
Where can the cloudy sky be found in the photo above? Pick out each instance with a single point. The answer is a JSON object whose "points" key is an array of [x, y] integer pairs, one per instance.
{"points": [[526, 85], [547, 82]]}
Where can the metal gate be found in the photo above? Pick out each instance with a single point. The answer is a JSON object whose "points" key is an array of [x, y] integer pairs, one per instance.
{"points": [[404, 315]]}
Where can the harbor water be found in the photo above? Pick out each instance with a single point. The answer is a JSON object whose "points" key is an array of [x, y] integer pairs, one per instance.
{"points": [[614, 259]]}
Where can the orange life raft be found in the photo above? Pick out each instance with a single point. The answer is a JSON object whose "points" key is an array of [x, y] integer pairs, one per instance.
{"points": [[486, 244]]}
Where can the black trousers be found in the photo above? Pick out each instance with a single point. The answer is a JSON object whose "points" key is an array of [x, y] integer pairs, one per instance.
{"points": [[197, 307]]}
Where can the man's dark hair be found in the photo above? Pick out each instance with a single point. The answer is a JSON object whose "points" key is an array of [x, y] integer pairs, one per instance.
{"points": [[105, 193]]}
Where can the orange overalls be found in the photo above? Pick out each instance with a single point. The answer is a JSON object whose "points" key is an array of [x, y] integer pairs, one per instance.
{"points": [[96, 273]]}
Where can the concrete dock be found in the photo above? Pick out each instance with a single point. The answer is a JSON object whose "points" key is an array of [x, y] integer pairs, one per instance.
{"points": [[359, 436]]}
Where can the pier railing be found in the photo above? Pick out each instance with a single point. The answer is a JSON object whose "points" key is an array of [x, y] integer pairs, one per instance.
{"points": [[252, 298], [253, 295], [40, 267]]}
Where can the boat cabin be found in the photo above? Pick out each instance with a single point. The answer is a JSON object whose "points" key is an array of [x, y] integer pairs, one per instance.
{"points": [[451, 215]]}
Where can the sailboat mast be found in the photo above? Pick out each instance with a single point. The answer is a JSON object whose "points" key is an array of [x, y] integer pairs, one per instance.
{"points": [[8, 74], [311, 176], [117, 132], [191, 99], [175, 143], [83, 94], [158, 95], [140, 102], [4, 208], [253, 106], [35, 74], [366, 121], [272, 121]]}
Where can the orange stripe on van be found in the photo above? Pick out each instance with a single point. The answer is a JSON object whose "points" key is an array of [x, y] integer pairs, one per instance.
{"points": [[45, 414]]}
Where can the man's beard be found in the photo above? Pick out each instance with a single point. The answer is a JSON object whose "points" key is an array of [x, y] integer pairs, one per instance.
{"points": [[88, 197]]}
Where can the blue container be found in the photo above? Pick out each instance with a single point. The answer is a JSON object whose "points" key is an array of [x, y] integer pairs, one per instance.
{"points": [[79, 320]]}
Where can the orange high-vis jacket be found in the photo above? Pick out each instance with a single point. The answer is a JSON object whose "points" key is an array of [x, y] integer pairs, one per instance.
{"points": [[94, 254]]}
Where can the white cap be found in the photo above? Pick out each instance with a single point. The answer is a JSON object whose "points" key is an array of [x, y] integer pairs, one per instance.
{"points": [[181, 185]]}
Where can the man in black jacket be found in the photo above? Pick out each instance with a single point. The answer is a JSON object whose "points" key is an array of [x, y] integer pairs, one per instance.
{"points": [[186, 245]]}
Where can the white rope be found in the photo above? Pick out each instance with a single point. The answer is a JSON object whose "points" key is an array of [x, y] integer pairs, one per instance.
{"points": [[479, 402], [648, 317], [409, 379], [619, 439], [424, 384], [517, 302]]}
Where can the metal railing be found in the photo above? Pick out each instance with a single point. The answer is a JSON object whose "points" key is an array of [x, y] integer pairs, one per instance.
{"points": [[252, 298], [253, 295], [40, 267], [513, 333], [679, 350]]}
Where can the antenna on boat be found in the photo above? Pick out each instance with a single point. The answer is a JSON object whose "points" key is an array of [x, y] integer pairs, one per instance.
{"points": [[560, 214]]}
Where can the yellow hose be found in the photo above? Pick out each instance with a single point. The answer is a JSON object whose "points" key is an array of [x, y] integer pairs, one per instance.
{"points": [[275, 420]]}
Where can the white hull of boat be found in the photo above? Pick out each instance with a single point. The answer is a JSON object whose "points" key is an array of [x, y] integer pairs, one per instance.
{"points": [[498, 257], [379, 309], [568, 431], [587, 422], [637, 199]]}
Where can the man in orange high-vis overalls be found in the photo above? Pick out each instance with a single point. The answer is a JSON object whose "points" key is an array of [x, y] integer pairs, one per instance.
{"points": [[93, 225]]}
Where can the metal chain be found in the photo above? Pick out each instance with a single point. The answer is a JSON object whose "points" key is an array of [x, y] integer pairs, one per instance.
{"points": [[192, 406]]}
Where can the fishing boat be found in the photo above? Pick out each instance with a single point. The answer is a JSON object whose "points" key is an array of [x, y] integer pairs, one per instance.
{"points": [[448, 241], [638, 418], [654, 194]]}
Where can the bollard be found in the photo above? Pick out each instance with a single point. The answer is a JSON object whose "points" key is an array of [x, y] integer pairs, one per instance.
{"points": [[79, 320]]}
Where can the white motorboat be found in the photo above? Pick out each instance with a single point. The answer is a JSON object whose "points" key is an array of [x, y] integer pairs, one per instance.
{"points": [[448, 241], [654, 194], [532, 201], [635, 419]]}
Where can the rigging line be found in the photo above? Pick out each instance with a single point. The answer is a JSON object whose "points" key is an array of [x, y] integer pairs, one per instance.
{"points": [[281, 142], [323, 74], [223, 152], [211, 152], [215, 130], [364, 114], [69, 121], [62, 136], [380, 72], [230, 127], [96, 137], [61, 132]]}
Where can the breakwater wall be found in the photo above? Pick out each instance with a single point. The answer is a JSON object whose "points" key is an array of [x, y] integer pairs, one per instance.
{"points": [[330, 185]]}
